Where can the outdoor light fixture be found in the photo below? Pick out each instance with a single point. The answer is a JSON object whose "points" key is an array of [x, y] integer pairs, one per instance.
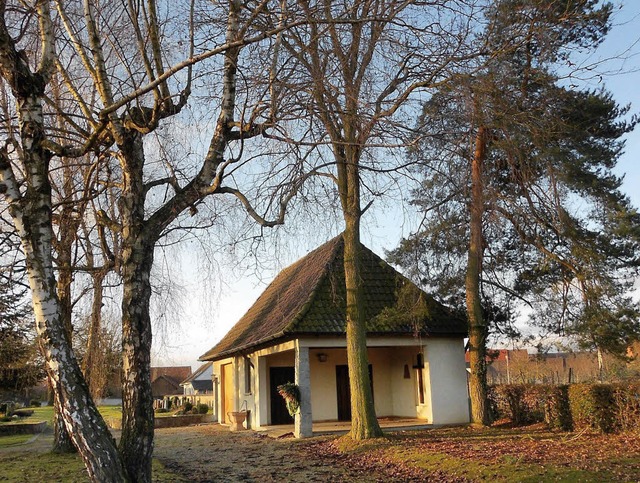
{"points": [[322, 357]]}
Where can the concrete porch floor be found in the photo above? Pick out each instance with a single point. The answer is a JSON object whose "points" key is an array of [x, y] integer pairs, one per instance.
{"points": [[340, 427]]}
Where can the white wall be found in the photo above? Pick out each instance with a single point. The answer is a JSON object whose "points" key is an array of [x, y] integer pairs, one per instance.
{"points": [[446, 395], [447, 381], [405, 401]]}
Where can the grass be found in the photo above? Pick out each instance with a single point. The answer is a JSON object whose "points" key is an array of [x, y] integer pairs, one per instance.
{"points": [[14, 440], [23, 466], [45, 413], [507, 469], [529, 454], [22, 460]]}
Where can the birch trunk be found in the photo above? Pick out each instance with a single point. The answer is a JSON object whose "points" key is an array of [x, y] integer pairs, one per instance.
{"points": [[478, 330], [61, 439], [31, 214], [136, 443]]}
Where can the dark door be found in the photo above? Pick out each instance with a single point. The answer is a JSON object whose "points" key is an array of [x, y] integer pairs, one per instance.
{"points": [[344, 392], [277, 377]]}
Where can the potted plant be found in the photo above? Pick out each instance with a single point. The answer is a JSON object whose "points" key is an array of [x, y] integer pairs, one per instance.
{"points": [[291, 395]]}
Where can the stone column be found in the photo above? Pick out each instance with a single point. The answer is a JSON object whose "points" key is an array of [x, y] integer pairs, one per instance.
{"points": [[303, 426], [261, 389]]}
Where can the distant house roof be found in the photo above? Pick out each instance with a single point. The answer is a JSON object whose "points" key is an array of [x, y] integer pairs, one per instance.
{"points": [[178, 373], [309, 298], [198, 373], [165, 386], [498, 355], [202, 385]]}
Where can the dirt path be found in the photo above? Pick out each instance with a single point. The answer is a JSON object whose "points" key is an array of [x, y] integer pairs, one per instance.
{"points": [[213, 453]]}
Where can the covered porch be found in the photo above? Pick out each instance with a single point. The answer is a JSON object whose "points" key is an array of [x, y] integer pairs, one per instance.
{"points": [[414, 383], [320, 428]]}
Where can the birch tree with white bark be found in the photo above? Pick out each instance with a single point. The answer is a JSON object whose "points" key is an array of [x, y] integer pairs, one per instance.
{"points": [[123, 52]]}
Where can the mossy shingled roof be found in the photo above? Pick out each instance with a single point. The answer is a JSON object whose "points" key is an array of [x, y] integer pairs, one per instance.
{"points": [[309, 297]]}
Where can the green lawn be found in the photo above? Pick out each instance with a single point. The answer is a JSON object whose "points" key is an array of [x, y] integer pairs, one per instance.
{"points": [[14, 440], [527, 454], [47, 466], [45, 413], [23, 460]]}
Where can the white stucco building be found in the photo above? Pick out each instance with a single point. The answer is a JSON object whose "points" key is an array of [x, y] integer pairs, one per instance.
{"points": [[200, 382], [295, 332]]}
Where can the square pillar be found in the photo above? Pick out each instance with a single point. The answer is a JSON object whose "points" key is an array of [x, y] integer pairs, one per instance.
{"points": [[261, 392], [303, 425]]}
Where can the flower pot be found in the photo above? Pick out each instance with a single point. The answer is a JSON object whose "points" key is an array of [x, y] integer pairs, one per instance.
{"points": [[237, 418]]}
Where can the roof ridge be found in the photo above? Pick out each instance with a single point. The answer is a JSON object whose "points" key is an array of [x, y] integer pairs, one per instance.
{"points": [[338, 242]]}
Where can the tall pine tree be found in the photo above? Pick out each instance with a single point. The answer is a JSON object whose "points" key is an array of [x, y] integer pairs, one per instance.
{"points": [[519, 195]]}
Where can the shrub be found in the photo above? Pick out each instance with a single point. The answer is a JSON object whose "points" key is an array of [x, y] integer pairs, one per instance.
{"points": [[187, 406], [203, 408], [521, 403], [557, 412], [3, 408], [162, 410], [290, 392], [22, 413], [34, 403], [627, 401], [593, 406]]}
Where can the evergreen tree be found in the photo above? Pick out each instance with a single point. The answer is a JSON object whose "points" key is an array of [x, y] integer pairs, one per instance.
{"points": [[20, 364], [519, 195]]}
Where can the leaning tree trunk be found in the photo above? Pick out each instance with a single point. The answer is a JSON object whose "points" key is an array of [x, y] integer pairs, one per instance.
{"points": [[136, 443], [364, 423], [478, 329], [31, 213], [61, 439]]}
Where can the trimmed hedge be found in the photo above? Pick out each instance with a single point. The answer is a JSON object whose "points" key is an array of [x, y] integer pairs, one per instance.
{"points": [[593, 406], [605, 408], [521, 403], [627, 401], [557, 410]]}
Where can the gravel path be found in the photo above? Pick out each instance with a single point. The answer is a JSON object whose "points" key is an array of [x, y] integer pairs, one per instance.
{"points": [[212, 453]]}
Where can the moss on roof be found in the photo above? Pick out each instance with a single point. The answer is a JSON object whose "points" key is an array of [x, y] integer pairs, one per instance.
{"points": [[309, 297]]}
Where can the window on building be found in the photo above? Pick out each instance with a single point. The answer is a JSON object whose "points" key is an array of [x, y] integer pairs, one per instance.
{"points": [[419, 367], [248, 376]]}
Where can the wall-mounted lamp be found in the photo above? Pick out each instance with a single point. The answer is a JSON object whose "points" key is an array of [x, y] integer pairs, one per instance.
{"points": [[322, 357]]}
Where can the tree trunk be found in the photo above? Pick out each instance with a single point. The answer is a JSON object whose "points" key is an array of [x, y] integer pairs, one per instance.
{"points": [[136, 443], [61, 439], [31, 213], [92, 374], [62, 442], [478, 329], [364, 423]]}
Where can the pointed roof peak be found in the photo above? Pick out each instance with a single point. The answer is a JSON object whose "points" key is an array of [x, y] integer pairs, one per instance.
{"points": [[309, 297]]}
